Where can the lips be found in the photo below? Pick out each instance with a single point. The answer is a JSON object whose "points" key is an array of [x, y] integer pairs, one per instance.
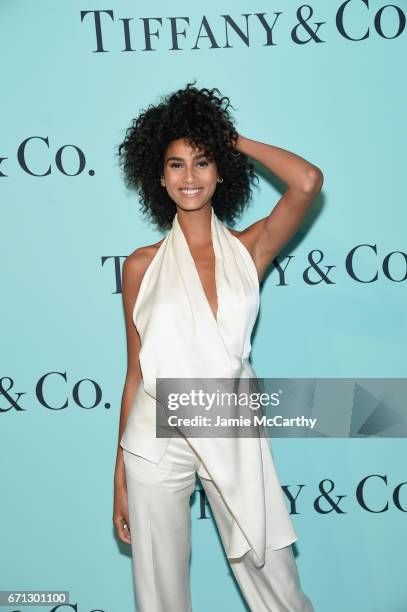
{"points": [[191, 192]]}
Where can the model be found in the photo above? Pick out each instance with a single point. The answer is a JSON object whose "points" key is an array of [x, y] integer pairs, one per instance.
{"points": [[190, 303]]}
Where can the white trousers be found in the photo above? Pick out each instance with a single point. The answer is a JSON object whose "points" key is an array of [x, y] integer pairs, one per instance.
{"points": [[160, 527]]}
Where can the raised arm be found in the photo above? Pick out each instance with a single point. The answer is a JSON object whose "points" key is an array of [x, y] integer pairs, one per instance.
{"points": [[266, 237]]}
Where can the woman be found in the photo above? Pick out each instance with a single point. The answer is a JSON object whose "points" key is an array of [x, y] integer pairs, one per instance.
{"points": [[190, 303]]}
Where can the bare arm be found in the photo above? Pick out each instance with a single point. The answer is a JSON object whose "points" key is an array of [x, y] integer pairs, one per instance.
{"points": [[131, 279], [266, 237], [133, 271]]}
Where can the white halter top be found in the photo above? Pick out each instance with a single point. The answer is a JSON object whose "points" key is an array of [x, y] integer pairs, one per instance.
{"points": [[180, 338]]}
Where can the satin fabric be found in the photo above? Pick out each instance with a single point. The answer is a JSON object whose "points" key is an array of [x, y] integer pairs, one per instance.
{"points": [[181, 338], [160, 526]]}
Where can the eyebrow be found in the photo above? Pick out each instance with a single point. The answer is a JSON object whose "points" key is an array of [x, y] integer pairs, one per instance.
{"points": [[196, 156]]}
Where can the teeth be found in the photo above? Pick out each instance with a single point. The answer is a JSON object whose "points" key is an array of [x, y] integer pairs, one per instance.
{"points": [[190, 191]]}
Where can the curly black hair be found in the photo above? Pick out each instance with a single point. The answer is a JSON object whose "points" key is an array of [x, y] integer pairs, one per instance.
{"points": [[203, 119]]}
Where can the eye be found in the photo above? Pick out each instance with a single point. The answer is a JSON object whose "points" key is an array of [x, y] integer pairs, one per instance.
{"points": [[177, 164]]}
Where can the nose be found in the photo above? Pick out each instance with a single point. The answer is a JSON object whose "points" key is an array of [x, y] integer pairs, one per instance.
{"points": [[189, 176]]}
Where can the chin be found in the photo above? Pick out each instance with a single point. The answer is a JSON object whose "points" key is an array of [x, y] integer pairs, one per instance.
{"points": [[192, 205]]}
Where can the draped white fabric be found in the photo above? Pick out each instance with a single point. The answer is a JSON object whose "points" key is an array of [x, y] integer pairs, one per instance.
{"points": [[181, 338]]}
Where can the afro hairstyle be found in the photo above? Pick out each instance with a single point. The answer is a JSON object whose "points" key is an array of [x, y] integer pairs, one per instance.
{"points": [[202, 118]]}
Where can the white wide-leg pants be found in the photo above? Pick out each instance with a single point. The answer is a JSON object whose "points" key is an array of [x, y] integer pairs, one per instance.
{"points": [[160, 527]]}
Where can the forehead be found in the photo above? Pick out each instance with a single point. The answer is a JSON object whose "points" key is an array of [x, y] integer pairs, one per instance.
{"points": [[182, 148]]}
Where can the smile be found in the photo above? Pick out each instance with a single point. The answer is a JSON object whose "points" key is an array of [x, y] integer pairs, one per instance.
{"points": [[191, 192]]}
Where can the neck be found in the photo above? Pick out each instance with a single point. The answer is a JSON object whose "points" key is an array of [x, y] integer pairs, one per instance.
{"points": [[196, 225]]}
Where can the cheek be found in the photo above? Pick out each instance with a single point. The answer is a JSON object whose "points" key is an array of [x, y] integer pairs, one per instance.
{"points": [[210, 178], [171, 181]]}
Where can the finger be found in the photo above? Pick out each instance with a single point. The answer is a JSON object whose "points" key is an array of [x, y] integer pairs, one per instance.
{"points": [[125, 531], [122, 528]]}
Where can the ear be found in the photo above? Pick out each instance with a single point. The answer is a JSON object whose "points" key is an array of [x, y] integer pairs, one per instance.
{"points": [[162, 181]]}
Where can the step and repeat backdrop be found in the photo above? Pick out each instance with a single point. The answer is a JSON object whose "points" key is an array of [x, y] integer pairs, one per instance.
{"points": [[322, 79]]}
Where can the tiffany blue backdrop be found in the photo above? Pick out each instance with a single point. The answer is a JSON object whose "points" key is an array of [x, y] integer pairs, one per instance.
{"points": [[323, 79]]}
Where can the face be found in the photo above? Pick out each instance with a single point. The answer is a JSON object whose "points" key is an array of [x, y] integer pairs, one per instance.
{"points": [[189, 177]]}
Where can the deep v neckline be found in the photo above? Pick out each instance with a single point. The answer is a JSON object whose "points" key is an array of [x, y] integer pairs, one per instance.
{"points": [[196, 273]]}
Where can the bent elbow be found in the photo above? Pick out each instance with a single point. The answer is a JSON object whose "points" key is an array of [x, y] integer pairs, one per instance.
{"points": [[313, 181]]}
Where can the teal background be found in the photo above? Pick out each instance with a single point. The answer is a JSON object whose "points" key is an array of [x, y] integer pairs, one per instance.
{"points": [[339, 104]]}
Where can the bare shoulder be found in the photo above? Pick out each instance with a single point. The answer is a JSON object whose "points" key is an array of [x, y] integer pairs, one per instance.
{"points": [[247, 236], [136, 264], [234, 232]]}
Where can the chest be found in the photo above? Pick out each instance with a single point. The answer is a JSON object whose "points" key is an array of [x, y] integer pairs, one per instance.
{"points": [[205, 263]]}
